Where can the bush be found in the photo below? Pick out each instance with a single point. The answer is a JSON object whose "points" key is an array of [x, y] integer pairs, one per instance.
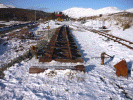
{"points": [[126, 26]]}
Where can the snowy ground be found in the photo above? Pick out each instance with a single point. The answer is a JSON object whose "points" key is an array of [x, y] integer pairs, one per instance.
{"points": [[116, 30], [98, 81], [8, 51], [11, 22]]}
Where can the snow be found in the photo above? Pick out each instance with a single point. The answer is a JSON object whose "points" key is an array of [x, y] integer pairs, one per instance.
{"points": [[51, 24], [10, 6], [11, 22], [76, 12], [98, 82], [6, 6], [3, 6], [130, 10], [7, 52], [107, 10], [115, 30]]}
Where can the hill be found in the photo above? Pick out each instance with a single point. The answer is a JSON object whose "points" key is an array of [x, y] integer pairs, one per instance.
{"points": [[6, 6], [130, 10], [22, 14], [86, 12]]}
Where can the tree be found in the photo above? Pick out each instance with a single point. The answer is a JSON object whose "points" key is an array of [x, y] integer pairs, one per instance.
{"points": [[100, 15], [53, 16], [60, 13]]}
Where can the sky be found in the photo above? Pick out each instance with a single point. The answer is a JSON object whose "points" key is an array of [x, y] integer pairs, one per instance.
{"points": [[60, 5]]}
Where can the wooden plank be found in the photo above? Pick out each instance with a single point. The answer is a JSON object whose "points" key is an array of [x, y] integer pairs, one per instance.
{"points": [[36, 70]]}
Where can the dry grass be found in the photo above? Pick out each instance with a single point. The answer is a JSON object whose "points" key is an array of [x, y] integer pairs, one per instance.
{"points": [[22, 34]]}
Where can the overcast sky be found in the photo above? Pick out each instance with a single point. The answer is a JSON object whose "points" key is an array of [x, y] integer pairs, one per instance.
{"points": [[60, 5]]}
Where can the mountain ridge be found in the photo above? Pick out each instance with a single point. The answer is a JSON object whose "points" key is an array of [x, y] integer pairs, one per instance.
{"points": [[6, 6], [77, 12]]}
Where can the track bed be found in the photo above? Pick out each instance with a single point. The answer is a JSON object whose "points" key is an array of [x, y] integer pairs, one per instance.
{"points": [[62, 48]]}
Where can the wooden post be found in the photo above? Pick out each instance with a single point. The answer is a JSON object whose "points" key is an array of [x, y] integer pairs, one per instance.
{"points": [[35, 50], [102, 58]]}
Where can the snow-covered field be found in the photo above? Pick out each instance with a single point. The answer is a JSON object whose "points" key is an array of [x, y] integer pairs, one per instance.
{"points": [[98, 82], [116, 30]]}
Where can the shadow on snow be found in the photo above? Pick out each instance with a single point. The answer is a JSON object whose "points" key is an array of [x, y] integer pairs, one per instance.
{"points": [[80, 50]]}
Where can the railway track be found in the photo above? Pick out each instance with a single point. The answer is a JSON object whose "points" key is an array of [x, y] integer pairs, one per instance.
{"points": [[62, 48], [124, 42]]}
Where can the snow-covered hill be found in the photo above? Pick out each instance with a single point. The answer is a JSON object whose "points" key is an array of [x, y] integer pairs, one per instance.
{"points": [[10, 6], [78, 12], [6, 6], [107, 10], [130, 10], [85, 12]]}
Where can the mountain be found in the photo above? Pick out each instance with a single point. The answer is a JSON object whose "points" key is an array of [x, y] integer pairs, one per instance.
{"points": [[19, 14], [130, 10], [86, 12], [107, 10], [6, 6], [9, 12], [10, 6], [78, 12]]}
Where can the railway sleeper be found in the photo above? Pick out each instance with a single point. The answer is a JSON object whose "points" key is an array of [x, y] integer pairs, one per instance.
{"points": [[61, 42], [69, 60], [72, 42], [76, 53], [48, 50], [76, 56], [74, 50], [63, 51], [63, 60], [61, 39], [45, 59], [62, 56], [60, 46], [74, 47]]}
